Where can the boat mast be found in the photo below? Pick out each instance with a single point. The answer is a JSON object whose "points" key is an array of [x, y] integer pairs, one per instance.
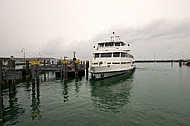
{"points": [[113, 38]]}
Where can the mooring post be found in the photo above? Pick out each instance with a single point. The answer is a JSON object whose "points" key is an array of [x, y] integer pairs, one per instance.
{"points": [[65, 68], [75, 63], [33, 74], [9, 63], [172, 62], [61, 68], [76, 67], [87, 66], [180, 62], [44, 70], [44, 64], [37, 73], [13, 64], [27, 67], [65, 72], [1, 98]]}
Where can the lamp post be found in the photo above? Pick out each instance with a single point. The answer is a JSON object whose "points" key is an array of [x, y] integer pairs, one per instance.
{"points": [[40, 55], [23, 50], [74, 52]]}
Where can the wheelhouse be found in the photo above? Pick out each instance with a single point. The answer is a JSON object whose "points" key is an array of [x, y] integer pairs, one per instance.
{"points": [[111, 44]]}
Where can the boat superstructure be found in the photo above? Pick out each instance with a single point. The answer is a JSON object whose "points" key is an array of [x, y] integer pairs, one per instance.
{"points": [[111, 58]]}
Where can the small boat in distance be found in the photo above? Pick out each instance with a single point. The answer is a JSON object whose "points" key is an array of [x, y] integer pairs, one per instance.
{"points": [[111, 58]]}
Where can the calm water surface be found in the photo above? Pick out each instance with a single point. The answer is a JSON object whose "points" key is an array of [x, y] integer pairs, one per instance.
{"points": [[155, 94]]}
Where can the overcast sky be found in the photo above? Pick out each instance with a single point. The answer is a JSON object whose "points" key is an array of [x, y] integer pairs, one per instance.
{"points": [[56, 28]]}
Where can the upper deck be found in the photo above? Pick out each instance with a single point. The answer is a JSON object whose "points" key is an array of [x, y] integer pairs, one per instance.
{"points": [[114, 44]]}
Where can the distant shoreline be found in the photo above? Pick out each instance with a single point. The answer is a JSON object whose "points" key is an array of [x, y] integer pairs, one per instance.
{"points": [[151, 61], [137, 60]]}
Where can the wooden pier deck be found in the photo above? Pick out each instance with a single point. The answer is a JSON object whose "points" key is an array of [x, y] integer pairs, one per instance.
{"points": [[64, 69]]}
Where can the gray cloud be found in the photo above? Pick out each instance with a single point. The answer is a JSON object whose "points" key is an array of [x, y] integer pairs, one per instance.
{"points": [[53, 47], [165, 39]]}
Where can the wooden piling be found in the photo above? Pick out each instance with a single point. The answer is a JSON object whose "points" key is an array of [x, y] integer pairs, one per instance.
{"points": [[180, 62], [172, 63], [33, 74], [64, 62], [13, 64], [37, 73], [44, 64], [87, 66], [1, 98], [27, 67], [61, 69], [65, 72], [76, 67]]}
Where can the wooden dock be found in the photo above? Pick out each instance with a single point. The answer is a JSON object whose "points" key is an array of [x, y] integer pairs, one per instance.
{"points": [[66, 67], [9, 74]]}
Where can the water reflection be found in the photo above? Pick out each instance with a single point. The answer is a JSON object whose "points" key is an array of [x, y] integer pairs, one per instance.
{"points": [[27, 85], [65, 92], [11, 109], [68, 84], [35, 106], [78, 83], [47, 76], [113, 93]]}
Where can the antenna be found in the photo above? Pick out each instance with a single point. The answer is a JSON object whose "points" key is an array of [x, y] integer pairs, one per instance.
{"points": [[113, 38]]}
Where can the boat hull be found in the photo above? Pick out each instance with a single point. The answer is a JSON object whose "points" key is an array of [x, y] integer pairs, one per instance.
{"points": [[104, 75]]}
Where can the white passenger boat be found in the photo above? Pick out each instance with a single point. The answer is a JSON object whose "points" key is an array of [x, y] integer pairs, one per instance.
{"points": [[111, 58]]}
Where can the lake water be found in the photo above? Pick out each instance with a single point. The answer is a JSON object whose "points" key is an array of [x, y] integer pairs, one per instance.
{"points": [[155, 94]]}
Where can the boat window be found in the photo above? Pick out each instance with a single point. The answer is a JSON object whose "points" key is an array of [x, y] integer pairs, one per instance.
{"points": [[128, 55], [117, 44], [109, 44], [131, 56], [123, 54], [105, 55], [109, 63], [96, 55], [123, 62], [101, 44], [116, 54], [122, 44], [116, 63]]}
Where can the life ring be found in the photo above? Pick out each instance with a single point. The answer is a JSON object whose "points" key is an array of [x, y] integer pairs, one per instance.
{"points": [[102, 75]]}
